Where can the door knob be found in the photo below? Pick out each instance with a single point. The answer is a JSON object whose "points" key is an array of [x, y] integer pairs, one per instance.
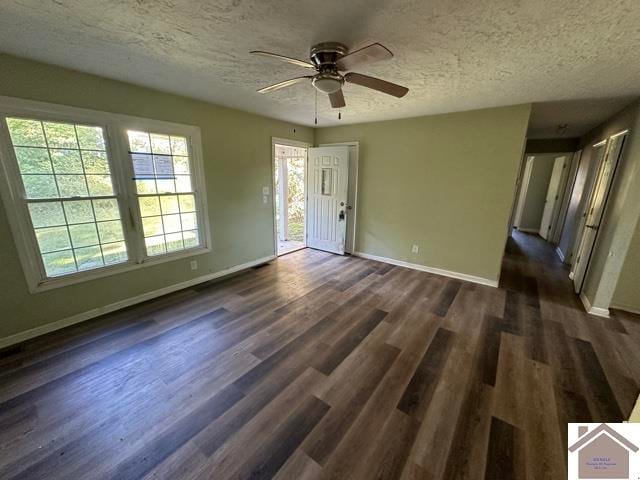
{"points": [[349, 207]]}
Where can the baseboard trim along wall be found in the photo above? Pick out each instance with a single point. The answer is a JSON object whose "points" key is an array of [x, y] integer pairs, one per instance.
{"points": [[598, 312], [560, 254], [424, 268], [96, 312], [626, 308], [529, 230]]}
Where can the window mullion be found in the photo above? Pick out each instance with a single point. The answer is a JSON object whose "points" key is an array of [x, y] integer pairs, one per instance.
{"points": [[123, 171]]}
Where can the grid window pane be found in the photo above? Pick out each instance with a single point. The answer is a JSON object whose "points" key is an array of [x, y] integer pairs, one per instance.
{"points": [[152, 226], [114, 253], [68, 163], [145, 186], [189, 221], [187, 203], [26, 133], [174, 242], [181, 165], [46, 214], [40, 186], [110, 231], [190, 239], [171, 223], [72, 185], [99, 185], [59, 263], [88, 258], [90, 138], [33, 160], [162, 168], [179, 146], [166, 185], [106, 209], [149, 206], [95, 162], [155, 245], [160, 144], [52, 239], [83, 235], [169, 204], [60, 135], [78, 211]]}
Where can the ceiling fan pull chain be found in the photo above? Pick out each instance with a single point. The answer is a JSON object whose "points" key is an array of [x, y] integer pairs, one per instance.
{"points": [[340, 114], [316, 119]]}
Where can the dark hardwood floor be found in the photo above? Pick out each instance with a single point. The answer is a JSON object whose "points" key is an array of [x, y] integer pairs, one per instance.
{"points": [[319, 366]]}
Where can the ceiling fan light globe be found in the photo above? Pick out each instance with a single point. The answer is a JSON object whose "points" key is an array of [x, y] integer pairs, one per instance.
{"points": [[327, 84]]}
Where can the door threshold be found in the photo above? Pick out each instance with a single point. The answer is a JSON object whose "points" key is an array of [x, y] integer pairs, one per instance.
{"points": [[297, 249]]}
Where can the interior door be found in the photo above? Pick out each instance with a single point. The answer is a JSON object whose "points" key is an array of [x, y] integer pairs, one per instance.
{"points": [[327, 188], [593, 213], [552, 197]]}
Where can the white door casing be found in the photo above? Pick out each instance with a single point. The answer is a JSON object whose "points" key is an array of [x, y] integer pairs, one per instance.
{"points": [[552, 197], [327, 185], [595, 207]]}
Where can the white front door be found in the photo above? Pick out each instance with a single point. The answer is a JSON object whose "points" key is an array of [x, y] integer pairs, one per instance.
{"points": [[327, 185], [595, 209], [552, 197]]}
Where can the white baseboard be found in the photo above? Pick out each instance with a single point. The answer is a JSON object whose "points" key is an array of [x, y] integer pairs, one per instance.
{"points": [[96, 312], [560, 254], [529, 230], [424, 268], [626, 308], [597, 311]]}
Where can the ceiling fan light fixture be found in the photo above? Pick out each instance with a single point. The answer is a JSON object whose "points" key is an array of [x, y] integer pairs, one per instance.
{"points": [[327, 83]]}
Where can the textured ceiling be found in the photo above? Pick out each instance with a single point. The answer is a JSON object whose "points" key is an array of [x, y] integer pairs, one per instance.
{"points": [[453, 54], [580, 116]]}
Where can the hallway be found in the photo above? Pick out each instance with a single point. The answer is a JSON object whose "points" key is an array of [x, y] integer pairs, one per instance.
{"points": [[321, 366]]}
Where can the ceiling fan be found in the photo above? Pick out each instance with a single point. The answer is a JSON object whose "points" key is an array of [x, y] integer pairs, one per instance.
{"points": [[329, 59]]}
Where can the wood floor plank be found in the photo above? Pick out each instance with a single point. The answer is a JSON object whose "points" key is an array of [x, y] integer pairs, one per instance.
{"points": [[317, 366]]}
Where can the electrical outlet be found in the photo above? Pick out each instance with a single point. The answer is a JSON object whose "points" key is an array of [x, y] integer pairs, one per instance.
{"points": [[415, 249], [194, 264], [265, 199]]}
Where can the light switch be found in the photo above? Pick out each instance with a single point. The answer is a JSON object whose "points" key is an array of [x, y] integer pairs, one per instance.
{"points": [[265, 190], [265, 199]]}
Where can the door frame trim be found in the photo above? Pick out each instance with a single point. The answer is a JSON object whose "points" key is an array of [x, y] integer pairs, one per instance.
{"points": [[350, 247], [290, 143]]}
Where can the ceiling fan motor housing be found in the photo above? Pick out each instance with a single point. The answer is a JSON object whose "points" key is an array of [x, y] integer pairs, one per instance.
{"points": [[324, 56], [327, 53]]}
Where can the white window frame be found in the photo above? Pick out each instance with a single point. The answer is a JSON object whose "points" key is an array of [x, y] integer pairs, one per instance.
{"points": [[117, 146]]}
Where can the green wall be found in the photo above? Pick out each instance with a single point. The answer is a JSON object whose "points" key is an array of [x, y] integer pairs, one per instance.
{"points": [[627, 293], [237, 160], [444, 182]]}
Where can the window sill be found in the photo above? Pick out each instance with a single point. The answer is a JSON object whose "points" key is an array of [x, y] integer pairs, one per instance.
{"points": [[89, 275]]}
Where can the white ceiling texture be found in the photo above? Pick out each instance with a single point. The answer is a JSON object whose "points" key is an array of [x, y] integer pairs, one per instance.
{"points": [[454, 55]]}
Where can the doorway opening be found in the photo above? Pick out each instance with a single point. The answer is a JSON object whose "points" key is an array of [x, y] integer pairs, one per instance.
{"points": [[290, 198]]}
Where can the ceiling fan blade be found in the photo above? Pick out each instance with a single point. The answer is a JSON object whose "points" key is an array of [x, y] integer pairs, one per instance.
{"points": [[337, 99], [370, 54], [376, 84], [286, 83], [294, 61]]}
